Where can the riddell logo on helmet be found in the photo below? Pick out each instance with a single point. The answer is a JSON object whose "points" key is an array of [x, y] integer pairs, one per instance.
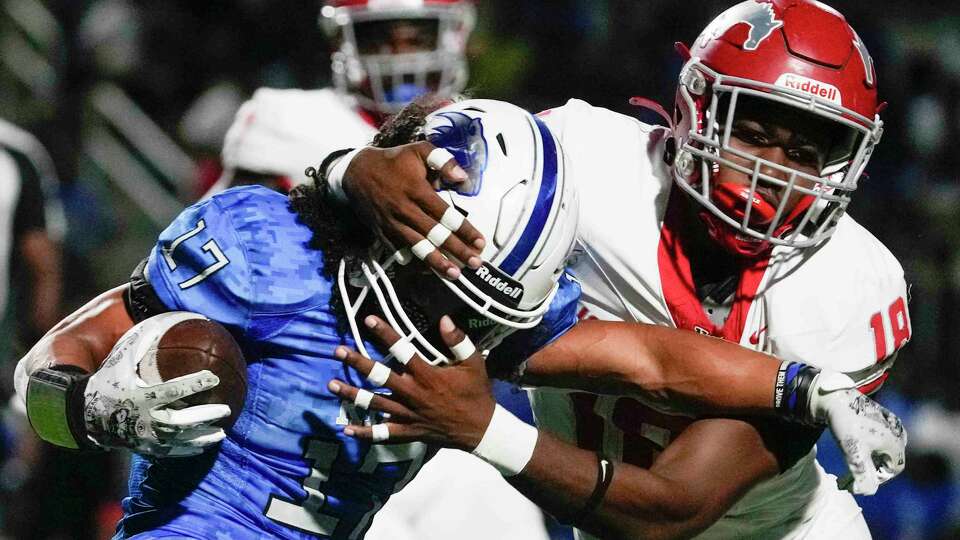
{"points": [[810, 86], [497, 284]]}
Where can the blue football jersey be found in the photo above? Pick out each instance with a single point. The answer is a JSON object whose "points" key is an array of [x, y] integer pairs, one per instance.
{"points": [[285, 469]]}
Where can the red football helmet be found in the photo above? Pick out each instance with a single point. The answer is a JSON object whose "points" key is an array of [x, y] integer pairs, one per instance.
{"points": [[798, 56], [384, 80]]}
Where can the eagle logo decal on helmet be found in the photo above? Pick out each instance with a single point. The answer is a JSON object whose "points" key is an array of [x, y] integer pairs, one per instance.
{"points": [[463, 137], [760, 18]]}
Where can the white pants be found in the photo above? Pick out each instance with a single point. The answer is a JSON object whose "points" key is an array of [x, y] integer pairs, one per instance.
{"points": [[455, 495]]}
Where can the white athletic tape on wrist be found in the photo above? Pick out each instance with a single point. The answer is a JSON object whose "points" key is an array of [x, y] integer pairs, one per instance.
{"points": [[452, 219], [336, 172], [379, 374], [403, 351], [423, 248], [438, 157], [380, 432], [438, 234], [508, 442], [363, 398], [463, 350]]}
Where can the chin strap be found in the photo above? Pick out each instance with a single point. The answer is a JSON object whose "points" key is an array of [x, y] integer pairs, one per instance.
{"points": [[651, 105]]}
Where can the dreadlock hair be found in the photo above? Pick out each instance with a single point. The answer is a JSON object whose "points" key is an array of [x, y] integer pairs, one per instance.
{"points": [[336, 230]]}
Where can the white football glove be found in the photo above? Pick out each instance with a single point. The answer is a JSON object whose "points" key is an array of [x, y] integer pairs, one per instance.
{"points": [[121, 410], [871, 437]]}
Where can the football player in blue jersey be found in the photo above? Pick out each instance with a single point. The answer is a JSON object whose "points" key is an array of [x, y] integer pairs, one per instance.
{"points": [[297, 282]]}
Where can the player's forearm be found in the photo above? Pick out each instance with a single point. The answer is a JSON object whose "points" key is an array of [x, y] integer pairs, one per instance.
{"points": [[708, 373], [83, 339], [560, 478], [700, 373]]}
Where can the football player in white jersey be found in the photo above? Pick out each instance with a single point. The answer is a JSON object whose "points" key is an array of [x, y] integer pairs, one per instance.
{"points": [[730, 223], [386, 53]]}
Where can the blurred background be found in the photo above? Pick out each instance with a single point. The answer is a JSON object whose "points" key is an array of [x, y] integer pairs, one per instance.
{"points": [[131, 100]]}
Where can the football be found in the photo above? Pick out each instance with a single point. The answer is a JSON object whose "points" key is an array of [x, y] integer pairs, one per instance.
{"points": [[195, 344]]}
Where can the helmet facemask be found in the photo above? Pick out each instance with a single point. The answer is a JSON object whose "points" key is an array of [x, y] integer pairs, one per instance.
{"points": [[788, 206], [411, 300]]}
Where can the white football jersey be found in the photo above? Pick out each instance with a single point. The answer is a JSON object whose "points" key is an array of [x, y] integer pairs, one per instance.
{"points": [[282, 132], [842, 306]]}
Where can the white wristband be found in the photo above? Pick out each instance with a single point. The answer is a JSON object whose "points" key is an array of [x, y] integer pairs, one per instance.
{"points": [[335, 174], [508, 442]]}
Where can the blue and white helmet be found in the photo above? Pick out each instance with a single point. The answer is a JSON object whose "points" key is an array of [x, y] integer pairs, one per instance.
{"points": [[518, 197]]}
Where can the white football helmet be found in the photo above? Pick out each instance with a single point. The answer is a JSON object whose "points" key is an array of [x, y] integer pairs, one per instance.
{"points": [[517, 197], [385, 82]]}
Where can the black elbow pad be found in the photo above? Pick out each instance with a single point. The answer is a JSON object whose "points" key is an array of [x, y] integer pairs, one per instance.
{"points": [[140, 298]]}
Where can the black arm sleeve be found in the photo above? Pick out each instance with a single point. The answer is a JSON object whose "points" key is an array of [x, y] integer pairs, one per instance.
{"points": [[786, 440], [140, 299], [30, 212]]}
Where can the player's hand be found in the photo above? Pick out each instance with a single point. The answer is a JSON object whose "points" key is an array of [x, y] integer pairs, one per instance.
{"points": [[871, 437], [389, 187], [447, 406], [121, 410]]}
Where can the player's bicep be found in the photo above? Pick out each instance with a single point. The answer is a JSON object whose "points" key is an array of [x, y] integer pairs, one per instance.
{"points": [[715, 462]]}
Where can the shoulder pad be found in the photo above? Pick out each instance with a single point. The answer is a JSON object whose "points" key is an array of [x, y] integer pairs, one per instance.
{"points": [[283, 132]]}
